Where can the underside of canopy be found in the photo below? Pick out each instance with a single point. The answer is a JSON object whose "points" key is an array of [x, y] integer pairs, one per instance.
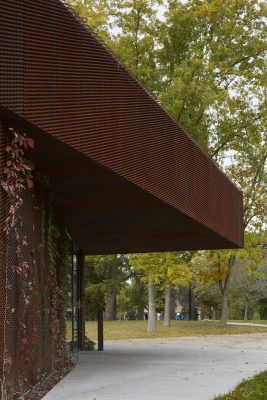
{"points": [[124, 177]]}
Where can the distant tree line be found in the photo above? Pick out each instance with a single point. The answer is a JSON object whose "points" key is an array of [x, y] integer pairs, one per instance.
{"points": [[123, 286]]}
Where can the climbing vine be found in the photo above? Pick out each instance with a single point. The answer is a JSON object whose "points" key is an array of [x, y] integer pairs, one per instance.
{"points": [[57, 250], [15, 177]]}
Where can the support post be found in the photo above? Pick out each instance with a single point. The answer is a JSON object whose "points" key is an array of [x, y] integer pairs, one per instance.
{"points": [[100, 331], [81, 288]]}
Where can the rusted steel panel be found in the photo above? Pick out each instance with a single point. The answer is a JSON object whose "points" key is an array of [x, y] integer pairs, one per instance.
{"points": [[29, 343], [21, 365], [5, 296], [56, 75]]}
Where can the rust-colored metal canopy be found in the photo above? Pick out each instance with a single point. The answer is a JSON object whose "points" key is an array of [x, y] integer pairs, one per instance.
{"points": [[124, 176]]}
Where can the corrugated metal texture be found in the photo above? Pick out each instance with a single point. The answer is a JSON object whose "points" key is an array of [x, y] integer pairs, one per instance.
{"points": [[55, 74]]}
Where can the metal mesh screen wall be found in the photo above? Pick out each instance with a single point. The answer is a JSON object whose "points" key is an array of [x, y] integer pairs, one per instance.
{"points": [[32, 314], [57, 75]]}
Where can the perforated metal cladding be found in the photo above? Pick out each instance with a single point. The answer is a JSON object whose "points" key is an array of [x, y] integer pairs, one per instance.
{"points": [[56, 75], [9, 291], [6, 276], [31, 356]]}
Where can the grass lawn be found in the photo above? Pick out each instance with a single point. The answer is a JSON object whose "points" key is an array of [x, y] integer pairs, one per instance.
{"points": [[252, 389], [117, 330]]}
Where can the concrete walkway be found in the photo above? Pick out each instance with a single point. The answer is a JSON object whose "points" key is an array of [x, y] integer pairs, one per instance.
{"points": [[166, 369], [247, 324]]}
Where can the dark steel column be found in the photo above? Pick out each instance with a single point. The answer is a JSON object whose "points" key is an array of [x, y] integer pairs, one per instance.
{"points": [[100, 331], [81, 294]]}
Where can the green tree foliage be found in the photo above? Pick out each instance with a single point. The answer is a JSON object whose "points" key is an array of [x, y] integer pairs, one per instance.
{"points": [[135, 42], [96, 14], [104, 274], [168, 269], [212, 57], [208, 298], [216, 266], [248, 289], [132, 299], [249, 171]]}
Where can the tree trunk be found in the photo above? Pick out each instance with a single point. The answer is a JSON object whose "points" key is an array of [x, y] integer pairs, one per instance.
{"points": [[225, 291], [167, 308], [151, 327], [213, 313], [246, 311], [110, 309], [224, 312]]}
